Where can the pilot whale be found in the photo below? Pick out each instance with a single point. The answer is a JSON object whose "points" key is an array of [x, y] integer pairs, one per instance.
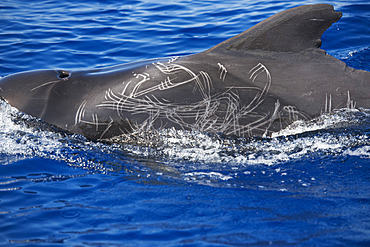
{"points": [[253, 84]]}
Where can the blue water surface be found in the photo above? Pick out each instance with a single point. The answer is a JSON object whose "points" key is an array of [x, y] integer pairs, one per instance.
{"points": [[309, 186]]}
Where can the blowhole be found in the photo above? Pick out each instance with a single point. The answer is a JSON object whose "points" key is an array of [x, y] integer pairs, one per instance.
{"points": [[63, 74]]}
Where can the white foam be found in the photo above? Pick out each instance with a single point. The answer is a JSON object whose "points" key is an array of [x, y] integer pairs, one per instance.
{"points": [[206, 176], [361, 151], [18, 141], [199, 147], [336, 119]]}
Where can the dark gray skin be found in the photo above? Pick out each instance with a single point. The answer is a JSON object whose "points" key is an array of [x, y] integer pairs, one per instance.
{"points": [[253, 84]]}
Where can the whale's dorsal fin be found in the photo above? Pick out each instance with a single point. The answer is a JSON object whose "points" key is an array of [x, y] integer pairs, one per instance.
{"points": [[293, 30]]}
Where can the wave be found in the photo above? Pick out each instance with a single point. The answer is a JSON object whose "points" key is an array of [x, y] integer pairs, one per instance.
{"points": [[189, 155], [337, 132]]}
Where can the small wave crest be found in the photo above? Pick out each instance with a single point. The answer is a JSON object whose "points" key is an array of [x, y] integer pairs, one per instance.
{"points": [[357, 58]]}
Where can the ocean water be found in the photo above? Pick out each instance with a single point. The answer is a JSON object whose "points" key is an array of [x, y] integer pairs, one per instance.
{"points": [[309, 185]]}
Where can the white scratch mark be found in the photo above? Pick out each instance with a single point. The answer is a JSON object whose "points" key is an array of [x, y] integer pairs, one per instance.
{"points": [[79, 112], [44, 84], [222, 70]]}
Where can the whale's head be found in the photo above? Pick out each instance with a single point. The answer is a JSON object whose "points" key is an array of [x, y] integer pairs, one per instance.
{"points": [[29, 91]]}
